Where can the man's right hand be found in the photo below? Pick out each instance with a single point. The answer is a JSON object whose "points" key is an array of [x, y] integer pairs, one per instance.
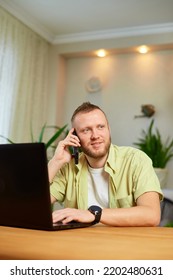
{"points": [[62, 154]]}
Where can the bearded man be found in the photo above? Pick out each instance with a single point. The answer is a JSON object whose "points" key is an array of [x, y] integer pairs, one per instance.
{"points": [[114, 185]]}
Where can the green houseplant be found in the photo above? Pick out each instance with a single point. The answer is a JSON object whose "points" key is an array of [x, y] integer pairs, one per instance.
{"points": [[160, 152]]}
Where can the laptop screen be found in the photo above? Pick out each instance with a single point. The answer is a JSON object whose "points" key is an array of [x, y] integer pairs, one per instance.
{"points": [[24, 186]]}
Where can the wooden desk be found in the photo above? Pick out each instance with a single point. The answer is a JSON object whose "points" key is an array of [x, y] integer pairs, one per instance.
{"points": [[94, 243]]}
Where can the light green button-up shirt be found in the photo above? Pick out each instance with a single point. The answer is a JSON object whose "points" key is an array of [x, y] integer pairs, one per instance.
{"points": [[130, 175]]}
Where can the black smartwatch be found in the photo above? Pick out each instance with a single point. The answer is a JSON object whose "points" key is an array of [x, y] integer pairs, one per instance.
{"points": [[97, 212]]}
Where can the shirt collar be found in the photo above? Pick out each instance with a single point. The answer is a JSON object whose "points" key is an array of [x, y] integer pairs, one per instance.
{"points": [[110, 166], [111, 163]]}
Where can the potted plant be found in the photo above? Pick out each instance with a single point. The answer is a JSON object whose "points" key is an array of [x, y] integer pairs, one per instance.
{"points": [[160, 152]]}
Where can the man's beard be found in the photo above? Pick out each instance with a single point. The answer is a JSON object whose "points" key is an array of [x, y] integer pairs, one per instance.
{"points": [[97, 154]]}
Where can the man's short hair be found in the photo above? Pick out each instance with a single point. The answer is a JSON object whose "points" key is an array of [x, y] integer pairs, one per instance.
{"points": [[86, 107]]}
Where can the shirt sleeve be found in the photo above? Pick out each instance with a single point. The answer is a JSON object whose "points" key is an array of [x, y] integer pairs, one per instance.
{"points": [[58, 186], [145, 178]]}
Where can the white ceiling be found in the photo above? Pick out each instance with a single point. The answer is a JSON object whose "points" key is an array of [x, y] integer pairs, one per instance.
{"points": [[61, 21]]}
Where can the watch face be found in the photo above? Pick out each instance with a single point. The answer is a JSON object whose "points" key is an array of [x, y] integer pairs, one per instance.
{"points": [[95, 209]]}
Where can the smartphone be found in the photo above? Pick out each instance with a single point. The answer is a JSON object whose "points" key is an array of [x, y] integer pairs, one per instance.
{"points": [[75, 151]]}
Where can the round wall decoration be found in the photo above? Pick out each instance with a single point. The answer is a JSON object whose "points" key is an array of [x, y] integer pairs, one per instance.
{"points": [[93, 84]]}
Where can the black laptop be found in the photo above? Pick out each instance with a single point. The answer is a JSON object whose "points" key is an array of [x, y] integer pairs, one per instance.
{"points": [[24, 188]]}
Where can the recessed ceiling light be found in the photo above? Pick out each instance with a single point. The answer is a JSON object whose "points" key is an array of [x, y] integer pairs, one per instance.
{"points": [[143, 49], [101, 53]]}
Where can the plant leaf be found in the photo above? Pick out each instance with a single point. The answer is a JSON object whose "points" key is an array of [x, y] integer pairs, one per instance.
{"points": [[10, 141], [40, 138], [55, 136]]}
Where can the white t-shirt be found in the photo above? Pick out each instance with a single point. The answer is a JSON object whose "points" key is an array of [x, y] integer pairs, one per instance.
{"points": [[98, 187]]}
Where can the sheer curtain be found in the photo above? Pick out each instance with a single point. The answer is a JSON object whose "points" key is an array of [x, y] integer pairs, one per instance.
{"points": [[24, 58]]}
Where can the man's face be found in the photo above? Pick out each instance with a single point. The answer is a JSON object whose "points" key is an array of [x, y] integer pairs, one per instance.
{"points": [[94, 134]]}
